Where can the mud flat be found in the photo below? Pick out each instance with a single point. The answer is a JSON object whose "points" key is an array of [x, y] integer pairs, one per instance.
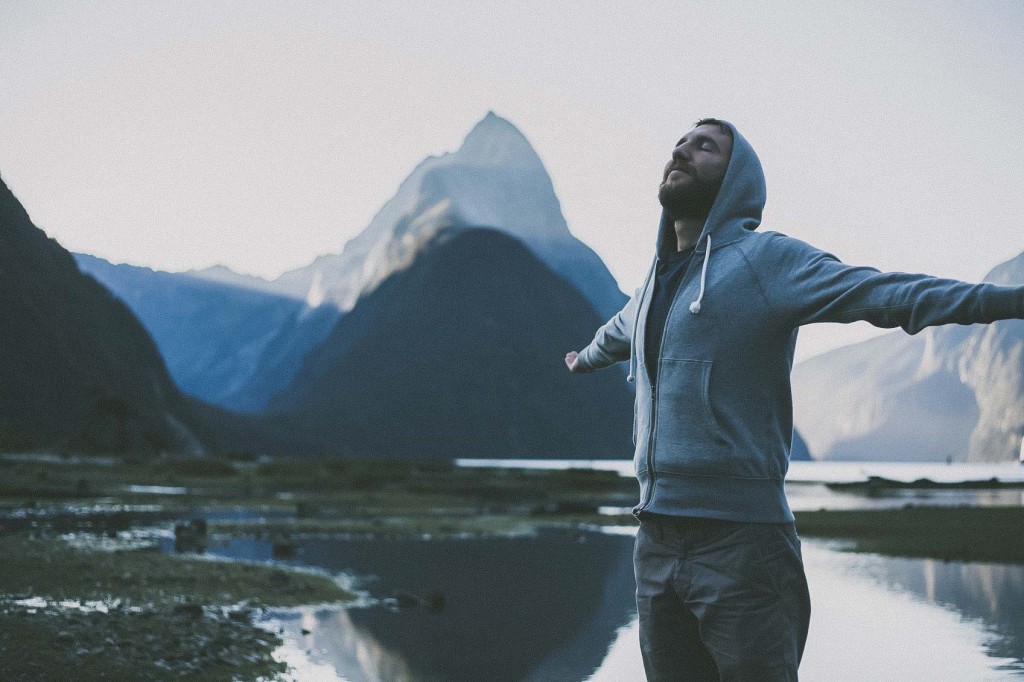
{"points": [[140, 614]]}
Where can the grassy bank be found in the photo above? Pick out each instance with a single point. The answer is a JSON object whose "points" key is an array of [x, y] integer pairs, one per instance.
{"points": [[991, 534], [317, 487], [167, 617]]}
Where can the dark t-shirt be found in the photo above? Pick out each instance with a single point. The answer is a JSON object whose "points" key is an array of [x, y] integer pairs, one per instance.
{"points": [[667, 278]]}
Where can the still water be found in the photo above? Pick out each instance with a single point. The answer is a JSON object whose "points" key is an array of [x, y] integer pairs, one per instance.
{"points": [[559, 606]]}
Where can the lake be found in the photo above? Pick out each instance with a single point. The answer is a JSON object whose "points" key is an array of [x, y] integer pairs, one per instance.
{"points": [[558, 605]]}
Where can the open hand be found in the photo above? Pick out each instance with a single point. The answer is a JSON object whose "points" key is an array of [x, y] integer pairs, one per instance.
{"points": [[574, 365]]}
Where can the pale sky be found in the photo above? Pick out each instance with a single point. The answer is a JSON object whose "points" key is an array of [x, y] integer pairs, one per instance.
{"points": [[259, 135]]}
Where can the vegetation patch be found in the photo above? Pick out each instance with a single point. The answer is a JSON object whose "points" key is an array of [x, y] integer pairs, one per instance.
{"points": [[947, 533], [147, 615]]}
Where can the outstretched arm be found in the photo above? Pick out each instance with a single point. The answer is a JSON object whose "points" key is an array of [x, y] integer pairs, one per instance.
{"points": [[612, 343], [820, 288]]}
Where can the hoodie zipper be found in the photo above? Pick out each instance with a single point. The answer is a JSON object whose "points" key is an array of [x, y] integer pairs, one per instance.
{"points": [[645, 499]]}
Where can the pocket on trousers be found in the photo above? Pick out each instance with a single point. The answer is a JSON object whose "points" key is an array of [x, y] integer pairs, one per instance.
{"points": [[779, 550]]}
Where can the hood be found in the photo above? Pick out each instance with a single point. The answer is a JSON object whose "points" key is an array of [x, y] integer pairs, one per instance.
{"points": [[738, 205], [736, 210]]}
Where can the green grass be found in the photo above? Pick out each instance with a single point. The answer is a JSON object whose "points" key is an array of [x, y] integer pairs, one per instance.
{"points": [[992, 534], [157, 629], [352, 485], [51, 568]]}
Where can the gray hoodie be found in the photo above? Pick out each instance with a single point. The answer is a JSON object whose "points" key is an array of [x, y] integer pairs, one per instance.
{"points": [[713, 432]]}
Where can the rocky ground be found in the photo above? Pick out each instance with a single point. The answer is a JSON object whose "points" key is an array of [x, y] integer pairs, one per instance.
{"points": [[80, 614], [151, 643]]}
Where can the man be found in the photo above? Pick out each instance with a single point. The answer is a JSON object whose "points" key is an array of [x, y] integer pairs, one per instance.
{"points": [[721, 591]]}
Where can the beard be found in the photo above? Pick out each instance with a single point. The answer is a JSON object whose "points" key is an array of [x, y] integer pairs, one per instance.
{"points": [[693, 200]]}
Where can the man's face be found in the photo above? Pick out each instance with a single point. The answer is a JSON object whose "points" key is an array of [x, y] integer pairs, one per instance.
{"points": [[694, 174]]}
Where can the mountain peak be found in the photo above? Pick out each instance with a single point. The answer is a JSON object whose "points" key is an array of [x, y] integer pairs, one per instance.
{"points": [[494, 180], [494, 141], [1009, 273]]}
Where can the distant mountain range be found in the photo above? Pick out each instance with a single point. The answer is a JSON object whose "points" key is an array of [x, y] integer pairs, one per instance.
{"points": [[438, 331], [224, 343], [951, 393]]}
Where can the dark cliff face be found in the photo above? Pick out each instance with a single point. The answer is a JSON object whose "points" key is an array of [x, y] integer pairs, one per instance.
{"points": [[461, 355], [77, 369]]}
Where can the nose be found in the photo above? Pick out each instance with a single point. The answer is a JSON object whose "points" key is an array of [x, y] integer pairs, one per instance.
{"points": [[681, 153]]}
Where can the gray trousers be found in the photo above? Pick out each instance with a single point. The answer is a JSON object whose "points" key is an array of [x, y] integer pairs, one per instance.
{"points": [[720, 601]]}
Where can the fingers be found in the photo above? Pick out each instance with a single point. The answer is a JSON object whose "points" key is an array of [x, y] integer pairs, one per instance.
{"points": [[572, 362]]}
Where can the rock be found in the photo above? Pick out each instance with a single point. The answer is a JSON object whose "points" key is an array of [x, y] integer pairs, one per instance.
{"points": [[404, 600], [190, 537], [434, 600], [190, 610], [241, 615], [283, 549], [279, 579]]}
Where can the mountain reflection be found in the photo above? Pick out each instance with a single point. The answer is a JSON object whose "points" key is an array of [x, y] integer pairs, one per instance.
{"points": [[544, 607], [992, 593]]}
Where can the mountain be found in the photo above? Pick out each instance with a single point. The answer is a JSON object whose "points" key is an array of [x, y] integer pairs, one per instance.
{"points": [[951, 393], [78, 371], [799, 452], [460, 355], [496, 180], [223, 341], [235, 340], [225, 275]]}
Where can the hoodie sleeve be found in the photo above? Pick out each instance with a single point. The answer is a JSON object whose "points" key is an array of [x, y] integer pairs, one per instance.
{"points": [[614, 340], [818, 287]]}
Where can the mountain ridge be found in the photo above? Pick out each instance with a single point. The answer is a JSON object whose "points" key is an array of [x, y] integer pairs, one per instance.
{"points": [[79, 373], [223, 342], [952, 393], [495, 179]]}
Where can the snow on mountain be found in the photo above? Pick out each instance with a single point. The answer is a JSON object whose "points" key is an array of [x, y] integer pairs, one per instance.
{"points": [[496, 180]]}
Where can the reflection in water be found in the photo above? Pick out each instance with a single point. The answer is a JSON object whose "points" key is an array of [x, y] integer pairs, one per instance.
{"points": [[866, 628], [990, 593], [541, 608], [559, 606], [335, 649]]}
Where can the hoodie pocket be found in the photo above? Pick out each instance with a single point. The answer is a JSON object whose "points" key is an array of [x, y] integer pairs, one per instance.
{"points": [[689, 439]]}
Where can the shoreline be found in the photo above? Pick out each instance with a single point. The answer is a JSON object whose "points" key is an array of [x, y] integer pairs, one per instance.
{"points": [[156, 615]]}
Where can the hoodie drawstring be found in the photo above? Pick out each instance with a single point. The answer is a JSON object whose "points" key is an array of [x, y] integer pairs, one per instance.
{"points": [[695, 306]]}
